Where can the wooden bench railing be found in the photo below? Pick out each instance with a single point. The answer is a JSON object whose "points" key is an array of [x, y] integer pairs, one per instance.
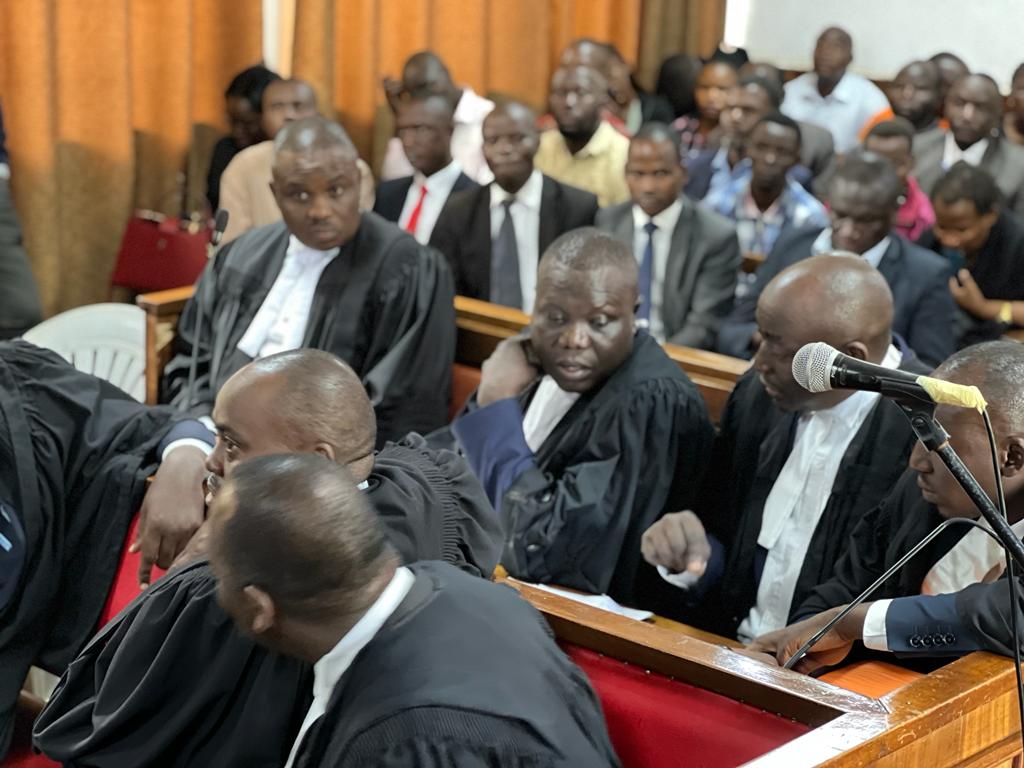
{"points": [[963, 714], [481, 326]]}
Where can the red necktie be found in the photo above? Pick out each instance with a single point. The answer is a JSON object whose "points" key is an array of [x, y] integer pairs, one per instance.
{"points": [[414, 219]]}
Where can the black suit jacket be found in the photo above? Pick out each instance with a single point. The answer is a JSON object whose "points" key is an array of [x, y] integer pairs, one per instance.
{"points": [[463, 231], [391, 195], [924, 311]]}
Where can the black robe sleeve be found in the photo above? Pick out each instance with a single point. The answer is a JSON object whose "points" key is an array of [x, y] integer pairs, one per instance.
{"points": [[171, 682], [572, 528], [407, 369], [201, 306]]}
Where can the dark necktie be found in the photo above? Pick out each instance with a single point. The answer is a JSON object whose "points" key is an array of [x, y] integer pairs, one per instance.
{"points": [[505, 286], [645, 279]]}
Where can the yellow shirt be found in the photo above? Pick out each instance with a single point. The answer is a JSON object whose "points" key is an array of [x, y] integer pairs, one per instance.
{"points": [[600, 167]]}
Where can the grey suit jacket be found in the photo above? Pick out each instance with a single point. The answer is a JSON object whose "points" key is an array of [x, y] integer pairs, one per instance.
{"points": [[700, 276], [1004, 160]]}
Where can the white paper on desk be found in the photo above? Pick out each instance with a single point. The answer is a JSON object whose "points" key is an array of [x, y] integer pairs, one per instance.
{"points": [[603, 602]]}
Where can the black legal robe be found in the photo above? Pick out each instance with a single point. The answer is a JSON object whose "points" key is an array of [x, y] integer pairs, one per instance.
{"points": [[75, 452], [171, 682], [464, 673], [383, 305], [881, 538], [626, 452], [753, 444]]}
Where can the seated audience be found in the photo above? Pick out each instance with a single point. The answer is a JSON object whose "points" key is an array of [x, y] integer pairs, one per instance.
{"points": [[817, 149], [792, 472], [245, 191], [413, 665], [985, 246], [894, 140], [713, 82], [628, 107], [430, 505], [688, 257], [938, 604], [762, 199], [863, 200], [584, 432], [951, 68], [243, 104], [1013, 120], [831, 96], [20, 307], [424, 125], [915, 96], [974, 109], [677, 80], [585, 151], [425, 72], [493, 236], [327, 277], [76, 455]]}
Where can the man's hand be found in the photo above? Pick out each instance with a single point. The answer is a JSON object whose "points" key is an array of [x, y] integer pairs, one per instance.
{"points": [[970, 298], [506, 372], [172, 510], [197, 546], [677, 542], [829, 651], [393, 90]]}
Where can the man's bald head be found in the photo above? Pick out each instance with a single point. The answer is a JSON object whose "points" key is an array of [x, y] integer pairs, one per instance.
{"points": [[313, 134], [284, 101], [324, 401], [511, 141], [997, 369], [839, 299], [588, 250], [301, 401], [833, 53], [425, 72]]}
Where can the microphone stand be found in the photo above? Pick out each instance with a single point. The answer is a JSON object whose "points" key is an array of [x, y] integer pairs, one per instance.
{"points": [[932, 435]]}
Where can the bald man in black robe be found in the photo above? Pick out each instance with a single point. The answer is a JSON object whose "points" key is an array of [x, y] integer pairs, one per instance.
{"points": [[75, 453], [748, 534], [222, 699], [326, 277], [416, 666]]}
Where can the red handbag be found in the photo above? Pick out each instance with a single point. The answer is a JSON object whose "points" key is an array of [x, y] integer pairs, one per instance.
{"points": [[159, 252]]}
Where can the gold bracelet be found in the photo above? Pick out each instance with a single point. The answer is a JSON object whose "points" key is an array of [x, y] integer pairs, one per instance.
{"points": [[1005, 313]]}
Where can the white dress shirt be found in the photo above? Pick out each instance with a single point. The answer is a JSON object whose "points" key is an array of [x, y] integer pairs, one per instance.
{"points": [[872, 255], [977, 557], [526, 220], [467, 142], [952, 154], [666, 222], [439, 186], [549, 405], [852, 103], [280, 324], [329, 670], [797, 500]]}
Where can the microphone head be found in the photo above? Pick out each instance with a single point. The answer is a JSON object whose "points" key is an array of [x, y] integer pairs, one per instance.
{"points": [[812, 364], [220, 223]]}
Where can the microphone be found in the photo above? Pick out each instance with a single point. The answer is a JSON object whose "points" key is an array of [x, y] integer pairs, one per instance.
{"points": [[818, 367], [220, 223]]}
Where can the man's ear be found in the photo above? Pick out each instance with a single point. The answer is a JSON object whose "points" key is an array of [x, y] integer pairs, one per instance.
{"points": [[855, 349], [1013, 463], [324, 449], [261, 613]]}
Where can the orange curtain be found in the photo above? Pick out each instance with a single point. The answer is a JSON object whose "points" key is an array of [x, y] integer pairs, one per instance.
{"points": [[677, 26], [345, 47], [102, 102]]}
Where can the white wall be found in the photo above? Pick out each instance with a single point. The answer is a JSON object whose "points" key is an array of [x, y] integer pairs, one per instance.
{"points": [[986, 34]]}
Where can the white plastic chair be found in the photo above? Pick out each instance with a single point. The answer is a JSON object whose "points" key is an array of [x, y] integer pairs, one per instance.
{"points": [[106, 340]]}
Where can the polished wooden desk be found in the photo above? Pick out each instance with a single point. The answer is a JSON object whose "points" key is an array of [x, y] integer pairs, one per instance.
{"points": [[963, 714], [481, 326]]}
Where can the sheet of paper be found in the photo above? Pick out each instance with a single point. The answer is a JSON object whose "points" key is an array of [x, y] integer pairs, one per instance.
{"points": [[603, 602]]}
